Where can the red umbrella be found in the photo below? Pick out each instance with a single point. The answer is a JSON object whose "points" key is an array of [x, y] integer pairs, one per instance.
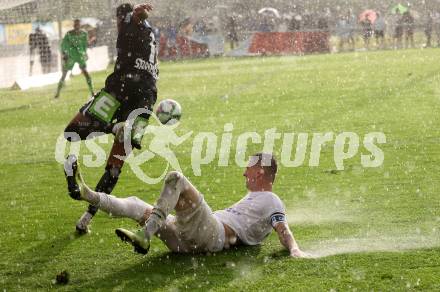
{"points": [[368, 14]]}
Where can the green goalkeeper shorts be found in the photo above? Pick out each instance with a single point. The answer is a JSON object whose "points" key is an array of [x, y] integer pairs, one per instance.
{"points": [[70, 62]]}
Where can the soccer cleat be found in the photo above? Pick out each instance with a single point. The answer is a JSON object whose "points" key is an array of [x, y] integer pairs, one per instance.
{"points": [[138, 239], [71, 171], [76, 187], [83, 223]]}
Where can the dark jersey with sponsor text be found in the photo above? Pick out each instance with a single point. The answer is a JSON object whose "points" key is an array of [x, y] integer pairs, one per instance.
{"points": [[133, 81], [137, 51]]}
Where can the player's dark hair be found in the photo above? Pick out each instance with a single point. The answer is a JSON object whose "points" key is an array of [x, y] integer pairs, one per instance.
{"points": [[268, 162], [123, 9]]}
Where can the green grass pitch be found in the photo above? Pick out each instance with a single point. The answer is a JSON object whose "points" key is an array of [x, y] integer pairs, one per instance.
{"points": [[376, 228]]}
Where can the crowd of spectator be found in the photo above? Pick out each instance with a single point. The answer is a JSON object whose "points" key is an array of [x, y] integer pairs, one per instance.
{"points": [[400, 29], [352, 29], [376, 29]]}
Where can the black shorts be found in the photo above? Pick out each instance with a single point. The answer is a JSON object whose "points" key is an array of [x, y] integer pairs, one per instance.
{"points": [[132, 93]]}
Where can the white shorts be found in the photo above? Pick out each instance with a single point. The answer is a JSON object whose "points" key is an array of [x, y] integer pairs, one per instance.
{"points": [[195, 230]]}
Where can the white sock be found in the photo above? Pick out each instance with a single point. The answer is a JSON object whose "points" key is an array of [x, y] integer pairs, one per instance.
{"points": [[131, 207], [90, 196]]}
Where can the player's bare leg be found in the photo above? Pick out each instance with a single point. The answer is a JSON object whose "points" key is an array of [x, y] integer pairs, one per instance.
{"points": [[88, 79], [80, 128], [177, 194], [61, 83], [105, 185]]}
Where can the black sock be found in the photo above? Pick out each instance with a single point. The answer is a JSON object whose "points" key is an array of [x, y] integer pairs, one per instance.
{"points": [[106, 184]]}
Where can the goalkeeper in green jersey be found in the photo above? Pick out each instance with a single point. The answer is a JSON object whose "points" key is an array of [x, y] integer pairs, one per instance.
{"points": [[74, 50]]}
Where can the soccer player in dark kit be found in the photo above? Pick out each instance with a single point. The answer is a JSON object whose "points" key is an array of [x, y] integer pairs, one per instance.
{"points": [[132, 85]]}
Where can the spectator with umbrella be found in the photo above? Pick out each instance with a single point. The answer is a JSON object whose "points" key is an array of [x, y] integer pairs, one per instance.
{"points": [[231, 28], [269, 18], [342, 31], [366, 20], [400, 26], [398, 32], [408, 28], [428, 29], [352, 24], [379, 31]]}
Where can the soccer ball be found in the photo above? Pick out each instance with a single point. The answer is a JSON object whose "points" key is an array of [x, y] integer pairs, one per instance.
{"points": [[169, 112]]}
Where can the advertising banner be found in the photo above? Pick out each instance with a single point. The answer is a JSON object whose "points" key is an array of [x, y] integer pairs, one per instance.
{"points": [[18, 34]]}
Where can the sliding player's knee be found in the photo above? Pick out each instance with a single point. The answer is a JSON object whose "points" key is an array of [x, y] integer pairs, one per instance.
{"points": [[173, 175], [173, 178], [172, 190]]}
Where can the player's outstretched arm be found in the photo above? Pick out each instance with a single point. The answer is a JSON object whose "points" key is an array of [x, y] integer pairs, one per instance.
{"points": [[288, 241]]}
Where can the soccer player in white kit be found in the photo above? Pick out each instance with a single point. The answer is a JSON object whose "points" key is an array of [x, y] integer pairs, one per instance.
{"points": [[195, 228]]}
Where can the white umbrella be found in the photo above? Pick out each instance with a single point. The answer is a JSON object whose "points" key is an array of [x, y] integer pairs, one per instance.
{"points": [[93, 22], [269, 10]]}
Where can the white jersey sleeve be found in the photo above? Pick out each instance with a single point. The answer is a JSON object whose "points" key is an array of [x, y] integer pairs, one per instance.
{"points": [[254, 216], [278, 212]]}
